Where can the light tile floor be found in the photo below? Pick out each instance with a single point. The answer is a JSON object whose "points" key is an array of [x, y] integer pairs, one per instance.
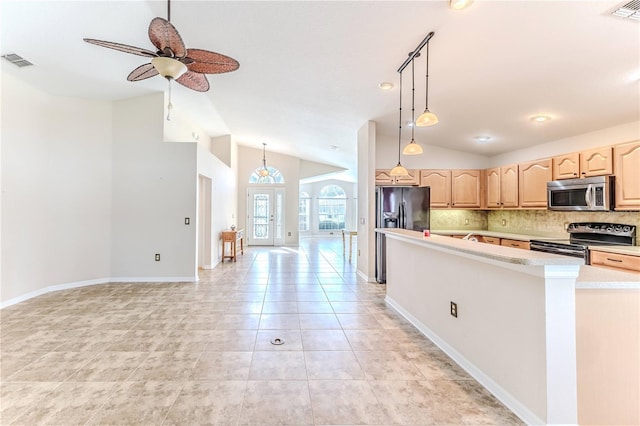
{"points": [[187, 354]]}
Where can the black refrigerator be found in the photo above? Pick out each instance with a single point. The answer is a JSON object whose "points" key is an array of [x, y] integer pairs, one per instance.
{"points": [[398, 207]]}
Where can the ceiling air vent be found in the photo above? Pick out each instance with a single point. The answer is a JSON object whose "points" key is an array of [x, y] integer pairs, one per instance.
{"points": [[630, 10], [17, 60]]}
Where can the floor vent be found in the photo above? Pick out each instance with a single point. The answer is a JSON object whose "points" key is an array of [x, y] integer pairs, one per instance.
{"points": [[17, 60], [630, 10]]}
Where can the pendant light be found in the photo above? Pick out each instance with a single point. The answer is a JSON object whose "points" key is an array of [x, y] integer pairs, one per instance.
{"points": [[263, 171], [427, 118], [413, 148], [399, 170]]}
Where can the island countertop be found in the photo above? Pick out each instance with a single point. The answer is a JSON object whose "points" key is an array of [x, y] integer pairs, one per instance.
{"points": [[488, 251]]}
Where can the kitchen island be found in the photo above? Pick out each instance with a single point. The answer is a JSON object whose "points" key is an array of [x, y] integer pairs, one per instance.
{"points": [[514, 327]]}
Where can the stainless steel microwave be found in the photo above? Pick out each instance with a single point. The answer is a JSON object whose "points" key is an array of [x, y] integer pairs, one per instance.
{"points": [[588, 194]]}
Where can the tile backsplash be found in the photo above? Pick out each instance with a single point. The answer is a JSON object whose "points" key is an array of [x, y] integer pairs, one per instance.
{"points": [[531, 222]]}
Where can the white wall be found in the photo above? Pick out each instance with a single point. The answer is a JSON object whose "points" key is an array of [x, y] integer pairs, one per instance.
{"points": [[56, 189], [154, 190], [366, 200], [313, 189], [610, 136], [249, 160], [224, 190], [434, 157]]}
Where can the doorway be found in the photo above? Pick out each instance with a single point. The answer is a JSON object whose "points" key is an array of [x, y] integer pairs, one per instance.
{"points": [[265, 216], [204, 223]]}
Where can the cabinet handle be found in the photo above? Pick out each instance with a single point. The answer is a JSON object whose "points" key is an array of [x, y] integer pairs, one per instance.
{"points": [[614, 260], [515, 245], [575, 174]]}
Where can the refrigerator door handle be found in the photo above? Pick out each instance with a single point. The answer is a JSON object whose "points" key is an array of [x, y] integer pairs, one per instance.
{"points": [[403, 218]]}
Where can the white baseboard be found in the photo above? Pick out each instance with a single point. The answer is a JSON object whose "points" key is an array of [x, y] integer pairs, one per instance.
{"points": [[365, 276], [498, 391], [76, 284]]}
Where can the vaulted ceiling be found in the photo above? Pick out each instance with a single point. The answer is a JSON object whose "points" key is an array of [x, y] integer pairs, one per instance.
{"points": [[309, 70]]}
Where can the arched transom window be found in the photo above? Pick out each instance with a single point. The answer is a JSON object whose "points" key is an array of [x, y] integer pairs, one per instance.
{"points": [[274, 176]]}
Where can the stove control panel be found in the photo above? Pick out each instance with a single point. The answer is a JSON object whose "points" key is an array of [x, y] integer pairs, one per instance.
{"points": [[602, 228]]}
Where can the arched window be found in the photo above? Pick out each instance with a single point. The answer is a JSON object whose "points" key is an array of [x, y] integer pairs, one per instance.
{"points": [[274, 176], [332, 206], [304, 211]]}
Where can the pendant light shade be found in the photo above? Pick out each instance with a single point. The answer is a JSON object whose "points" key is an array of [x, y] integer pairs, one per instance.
{"points": [[399, 170], [412, 147], [427, 118], [264, 171]]}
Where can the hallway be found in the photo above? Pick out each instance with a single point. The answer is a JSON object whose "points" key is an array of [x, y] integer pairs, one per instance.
{"points": [[201, 353]]}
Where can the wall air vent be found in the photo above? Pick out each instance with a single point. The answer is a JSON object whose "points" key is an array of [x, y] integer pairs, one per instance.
{"points": [[630, 10], [17, 60]]}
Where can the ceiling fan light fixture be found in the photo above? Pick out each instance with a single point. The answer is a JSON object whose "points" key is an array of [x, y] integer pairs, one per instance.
{"points": [[169, 68], [459, 4]]}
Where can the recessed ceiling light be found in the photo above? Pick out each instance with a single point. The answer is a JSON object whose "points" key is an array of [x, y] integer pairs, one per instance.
{"points": [[540, 118], [334, 147], [409, 123], [482, 139], [385, 85], [459, 4]]}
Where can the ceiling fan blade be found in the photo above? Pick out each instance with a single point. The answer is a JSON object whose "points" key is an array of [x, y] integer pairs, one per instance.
{"points": [[162, 34], [142, 72], [194, 81], [207, 62], [122, 47]]}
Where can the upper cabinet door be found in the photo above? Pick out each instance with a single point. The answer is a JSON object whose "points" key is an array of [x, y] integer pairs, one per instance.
{"points": [[509, 186], [465, 188], [596, 162], [493, 188], [440, 183], [383, 177], [627, 172], [566, 166], [533, 178]]}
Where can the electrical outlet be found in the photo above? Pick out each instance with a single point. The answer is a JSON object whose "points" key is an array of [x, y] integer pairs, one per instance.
{"points": [[466, 221], [157, 257], [187, 221], [504, 222], [358, 252], [289, 234], [454, 309]]}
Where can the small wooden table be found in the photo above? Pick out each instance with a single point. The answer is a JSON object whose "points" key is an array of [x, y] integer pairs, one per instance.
{"points": [[231, 237], [351, 235]]}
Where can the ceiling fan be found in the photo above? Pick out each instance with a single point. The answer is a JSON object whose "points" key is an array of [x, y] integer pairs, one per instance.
{"points": [[172, 59]]}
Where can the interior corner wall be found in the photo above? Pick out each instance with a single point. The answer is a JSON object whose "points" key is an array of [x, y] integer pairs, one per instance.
{"points": [[249, 159], [366, 200], [224, 190], [56, 190], [154, 190]]}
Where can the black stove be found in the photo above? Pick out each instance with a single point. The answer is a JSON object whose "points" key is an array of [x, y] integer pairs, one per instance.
{"points": [[585, 234]]}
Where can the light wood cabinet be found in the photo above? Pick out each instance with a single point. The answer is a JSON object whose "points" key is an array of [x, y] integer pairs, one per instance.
{"points": [[532, 182], [619, 262], [383, 177], [596, 162], [502, 187], [566, 166], [466, 189], [515, 243], [627, 173], [593, 162], [491, 240], [460, 189], [440, 183]]}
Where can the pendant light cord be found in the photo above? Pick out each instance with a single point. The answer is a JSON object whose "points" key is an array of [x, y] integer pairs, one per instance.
{"points": [[413, 99], [400, 120], [426, 91], [169, 10]]}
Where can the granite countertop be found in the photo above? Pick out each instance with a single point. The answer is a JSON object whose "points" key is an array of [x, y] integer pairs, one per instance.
{"points": [[488, 251], [628, 250], [497, 234], [603, 278]]}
